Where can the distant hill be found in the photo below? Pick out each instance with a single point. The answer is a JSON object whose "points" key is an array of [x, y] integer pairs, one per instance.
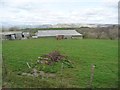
{"points": [[47, 26]]}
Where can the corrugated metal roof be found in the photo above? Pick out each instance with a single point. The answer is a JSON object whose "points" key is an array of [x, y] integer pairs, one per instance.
{"points": [[43, 33], [9, 33]]}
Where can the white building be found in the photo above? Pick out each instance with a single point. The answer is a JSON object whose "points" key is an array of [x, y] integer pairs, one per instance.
{"points": [[54, 33]]}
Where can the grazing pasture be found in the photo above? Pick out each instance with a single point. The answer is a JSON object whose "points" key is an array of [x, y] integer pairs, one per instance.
{"points": [[82, 53]]}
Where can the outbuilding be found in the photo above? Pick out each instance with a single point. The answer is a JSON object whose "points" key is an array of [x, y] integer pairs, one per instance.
{"points": [[14, 35], [54, 33]]}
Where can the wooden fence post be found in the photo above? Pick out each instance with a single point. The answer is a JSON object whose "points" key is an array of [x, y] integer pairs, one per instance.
{"points": [[61, 73], [92, 75]]}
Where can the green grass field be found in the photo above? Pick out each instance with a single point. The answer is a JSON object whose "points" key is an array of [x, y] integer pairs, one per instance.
{"points": [[83, 53]]}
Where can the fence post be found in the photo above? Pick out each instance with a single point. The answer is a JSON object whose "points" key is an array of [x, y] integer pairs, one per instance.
{"points": [[92, 75], [61, 73]]}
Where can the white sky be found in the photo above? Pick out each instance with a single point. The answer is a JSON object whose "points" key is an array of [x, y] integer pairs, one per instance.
{"points": [[58, 11]]}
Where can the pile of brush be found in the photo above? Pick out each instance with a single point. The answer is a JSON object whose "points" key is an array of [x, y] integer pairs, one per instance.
{"points": [[48, 63], [54, 57]]}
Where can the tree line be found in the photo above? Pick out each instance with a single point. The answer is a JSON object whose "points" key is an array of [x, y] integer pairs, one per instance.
{"points": [[110, 32]]}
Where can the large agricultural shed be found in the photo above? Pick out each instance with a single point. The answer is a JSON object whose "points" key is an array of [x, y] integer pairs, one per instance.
{"points": [[54, 33], [14, 35]]}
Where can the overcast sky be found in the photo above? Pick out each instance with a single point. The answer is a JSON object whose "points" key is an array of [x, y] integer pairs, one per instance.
{"points": [[58, 11]]}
